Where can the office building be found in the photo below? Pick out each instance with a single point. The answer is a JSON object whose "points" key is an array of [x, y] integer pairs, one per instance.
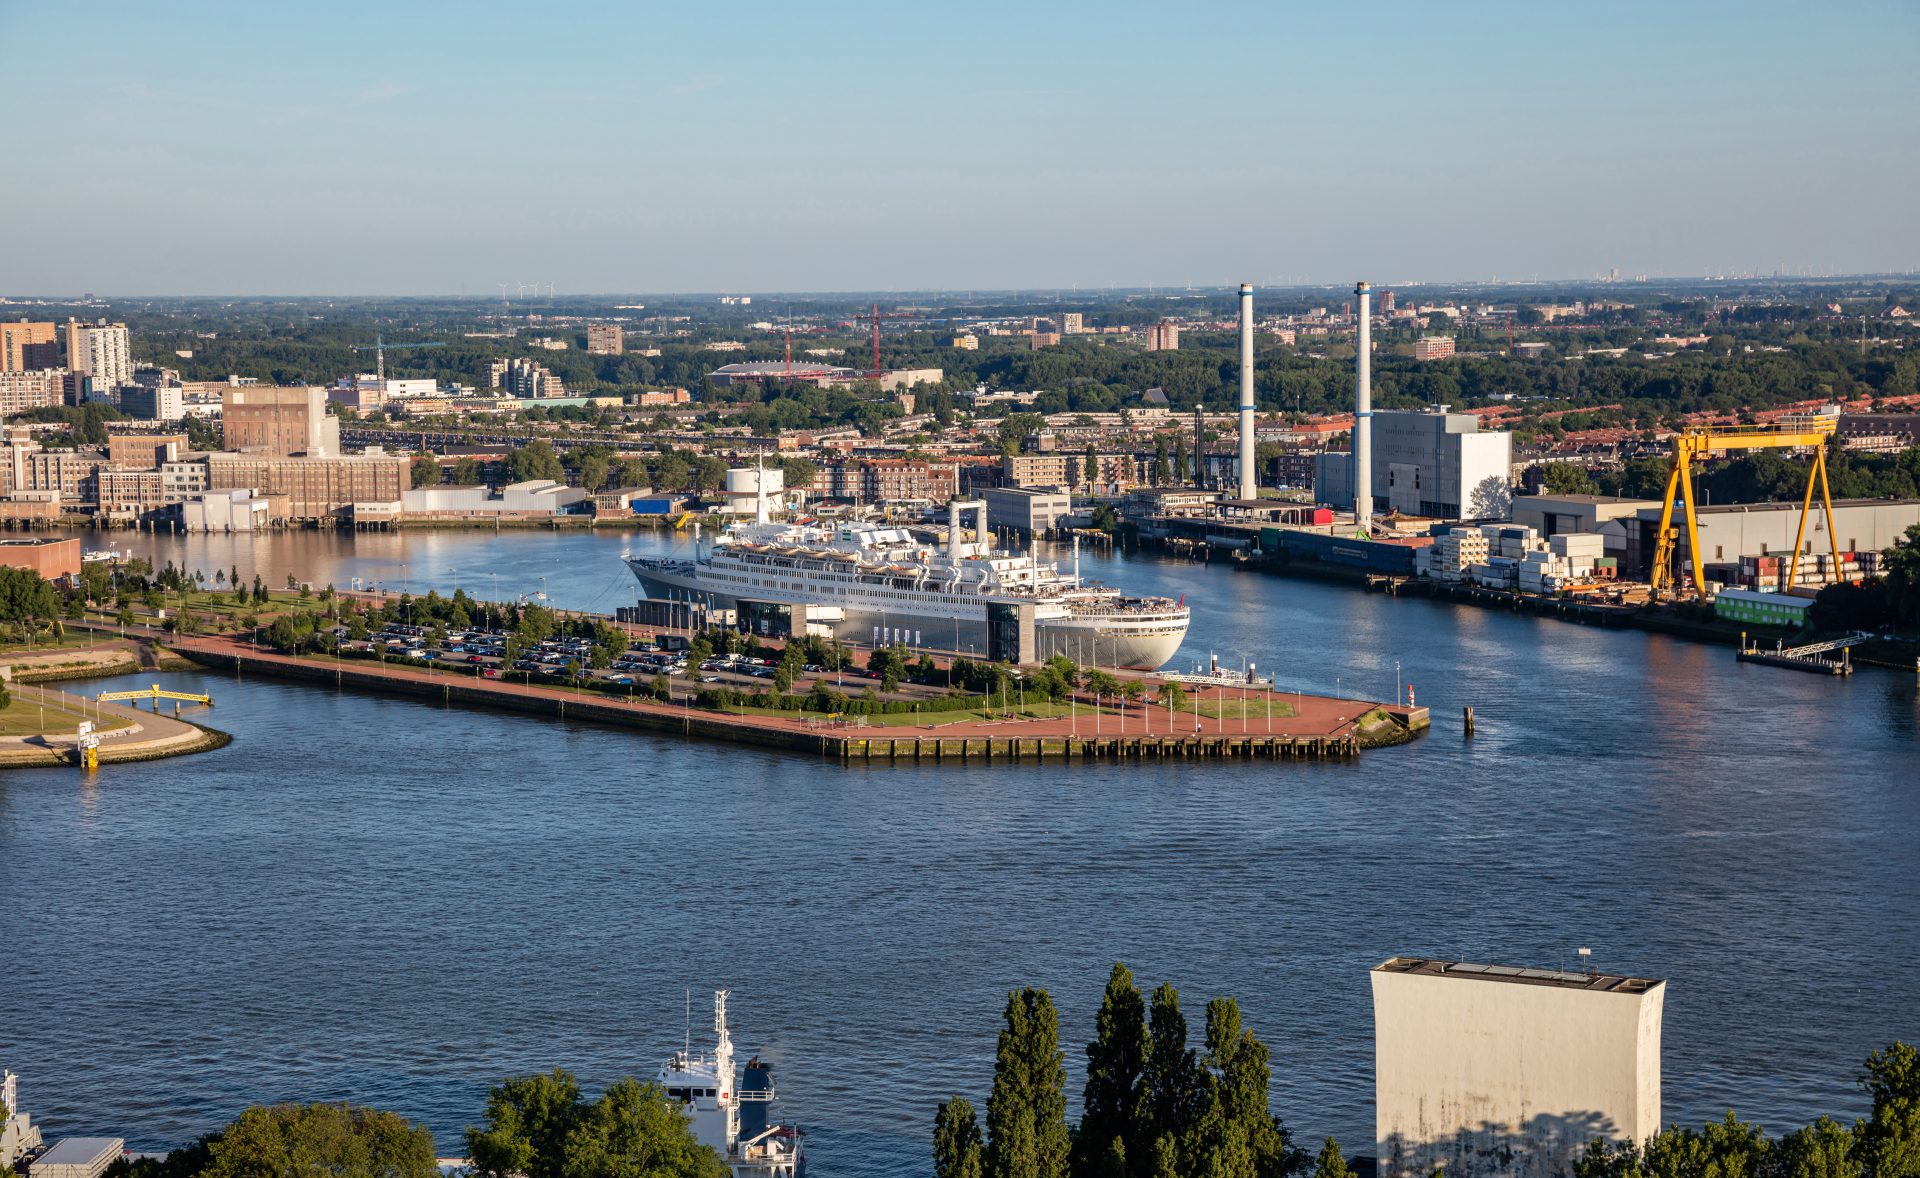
{"points": [[1491, 1069], [26, 346], [157, 402], [1436, 464], [1433, 347], [1163, 336], [1025, 510], [605, 339], [99, 350], [32, 389], [279, 421], [967, 343]]}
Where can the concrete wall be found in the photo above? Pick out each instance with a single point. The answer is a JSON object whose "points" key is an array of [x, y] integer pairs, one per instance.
{"points": [[1487, 1076]]}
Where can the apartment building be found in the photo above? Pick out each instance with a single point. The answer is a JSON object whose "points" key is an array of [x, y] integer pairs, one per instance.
{"points": [[32, 389], [100, 350], [1433, 347], [25, 347], [605, 339], [1163, 336]]}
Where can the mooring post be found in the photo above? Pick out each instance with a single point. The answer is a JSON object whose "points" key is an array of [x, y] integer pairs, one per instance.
{"points": [[1467, 719]]}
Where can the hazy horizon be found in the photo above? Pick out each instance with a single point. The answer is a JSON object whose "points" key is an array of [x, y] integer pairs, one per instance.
{"points": [[440, 150]]}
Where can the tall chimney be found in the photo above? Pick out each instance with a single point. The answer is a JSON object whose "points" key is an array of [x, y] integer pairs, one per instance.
{"points": [[1249, 482], [1363, 410]]}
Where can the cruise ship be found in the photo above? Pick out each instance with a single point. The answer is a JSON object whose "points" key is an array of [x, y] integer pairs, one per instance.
{"points": [[873, 583]]}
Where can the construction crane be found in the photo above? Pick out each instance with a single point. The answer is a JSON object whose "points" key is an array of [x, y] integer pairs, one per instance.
{"points": [[1694, 444], [877, 316], [379, 350]]}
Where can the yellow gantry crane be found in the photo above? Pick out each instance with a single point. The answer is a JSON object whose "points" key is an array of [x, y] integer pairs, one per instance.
{"points": [[1692, 447]]}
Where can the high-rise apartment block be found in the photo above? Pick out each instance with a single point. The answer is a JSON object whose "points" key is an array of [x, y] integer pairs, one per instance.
{"points": [[605, 339], [526, 379], [1494, 1069], [279, 421], [1072, 323], [99, 350], [1163, 336], [40, 388], [1433, 347], [28, 347], [1387, 302]]}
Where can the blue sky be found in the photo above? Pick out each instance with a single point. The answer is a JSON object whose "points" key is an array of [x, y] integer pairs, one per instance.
{"points": [[346, 148]]}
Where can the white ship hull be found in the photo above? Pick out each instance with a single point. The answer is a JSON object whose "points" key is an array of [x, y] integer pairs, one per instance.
{"points": [[1085, 633]]}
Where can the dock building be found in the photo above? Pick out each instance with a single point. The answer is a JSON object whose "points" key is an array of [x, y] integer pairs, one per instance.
{"points": [[1495, 1069]]}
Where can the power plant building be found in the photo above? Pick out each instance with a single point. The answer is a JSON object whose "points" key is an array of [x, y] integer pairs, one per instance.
{"points": [[1435, 464], [1493, 1069]]}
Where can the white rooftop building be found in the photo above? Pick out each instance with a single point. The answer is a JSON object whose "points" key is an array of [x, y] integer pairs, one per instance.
{"points": [[1495, 1069]]}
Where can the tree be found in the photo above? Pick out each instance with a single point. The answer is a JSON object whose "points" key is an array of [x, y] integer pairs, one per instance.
{"points": [[636, 1131], [1564, 478], [1116, 1060], [535, 460], [1330, 1164], [466, 472], [1026, 1112], [1889, 1139], [1824, 1149], [957, 1147], [1093, 465], [426, 471], [1900, 573], [528, 1120], [594, 469], [340, 1140], [1171, 1089], [1173, 696]]}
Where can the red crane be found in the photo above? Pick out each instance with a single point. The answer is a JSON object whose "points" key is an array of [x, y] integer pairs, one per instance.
{"points": [[877, 316]]}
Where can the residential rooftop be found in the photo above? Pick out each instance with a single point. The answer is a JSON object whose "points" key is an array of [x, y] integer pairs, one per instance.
{"points": [[1518, 974]]}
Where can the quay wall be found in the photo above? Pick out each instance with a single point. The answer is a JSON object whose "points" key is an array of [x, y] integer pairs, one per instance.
{"points": [[999, 744]]}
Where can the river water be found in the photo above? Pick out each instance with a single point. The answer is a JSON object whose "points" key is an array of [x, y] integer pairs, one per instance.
{"points": [[395, 903]]}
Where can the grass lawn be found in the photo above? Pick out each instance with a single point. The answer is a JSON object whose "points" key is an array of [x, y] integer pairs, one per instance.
{"points": [[42, 645], [23, 718], [1254, 707]]}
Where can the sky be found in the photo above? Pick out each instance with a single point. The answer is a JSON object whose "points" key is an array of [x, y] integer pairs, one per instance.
{"points": [[419, 148]]}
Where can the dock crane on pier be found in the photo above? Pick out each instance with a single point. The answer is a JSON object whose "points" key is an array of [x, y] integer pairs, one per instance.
{"points": [[1693, 445], [379, 350]]}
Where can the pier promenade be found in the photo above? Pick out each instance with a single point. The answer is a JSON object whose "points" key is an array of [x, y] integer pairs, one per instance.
{"points": [[1312, 727]]}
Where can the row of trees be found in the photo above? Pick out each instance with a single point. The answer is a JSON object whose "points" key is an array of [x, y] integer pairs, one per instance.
{"points": [[540, 1126], [1883, 1144], [1154, 1107]]}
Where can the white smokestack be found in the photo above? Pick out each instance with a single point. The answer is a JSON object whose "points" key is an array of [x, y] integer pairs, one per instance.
{"points": [[1249, 483], [1363, 408]]}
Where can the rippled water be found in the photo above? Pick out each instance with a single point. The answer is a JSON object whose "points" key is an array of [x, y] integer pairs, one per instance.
{"points": [[395, 903]]}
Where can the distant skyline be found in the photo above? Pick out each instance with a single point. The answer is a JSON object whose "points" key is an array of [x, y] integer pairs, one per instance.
{"points": [[446, 149]]}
